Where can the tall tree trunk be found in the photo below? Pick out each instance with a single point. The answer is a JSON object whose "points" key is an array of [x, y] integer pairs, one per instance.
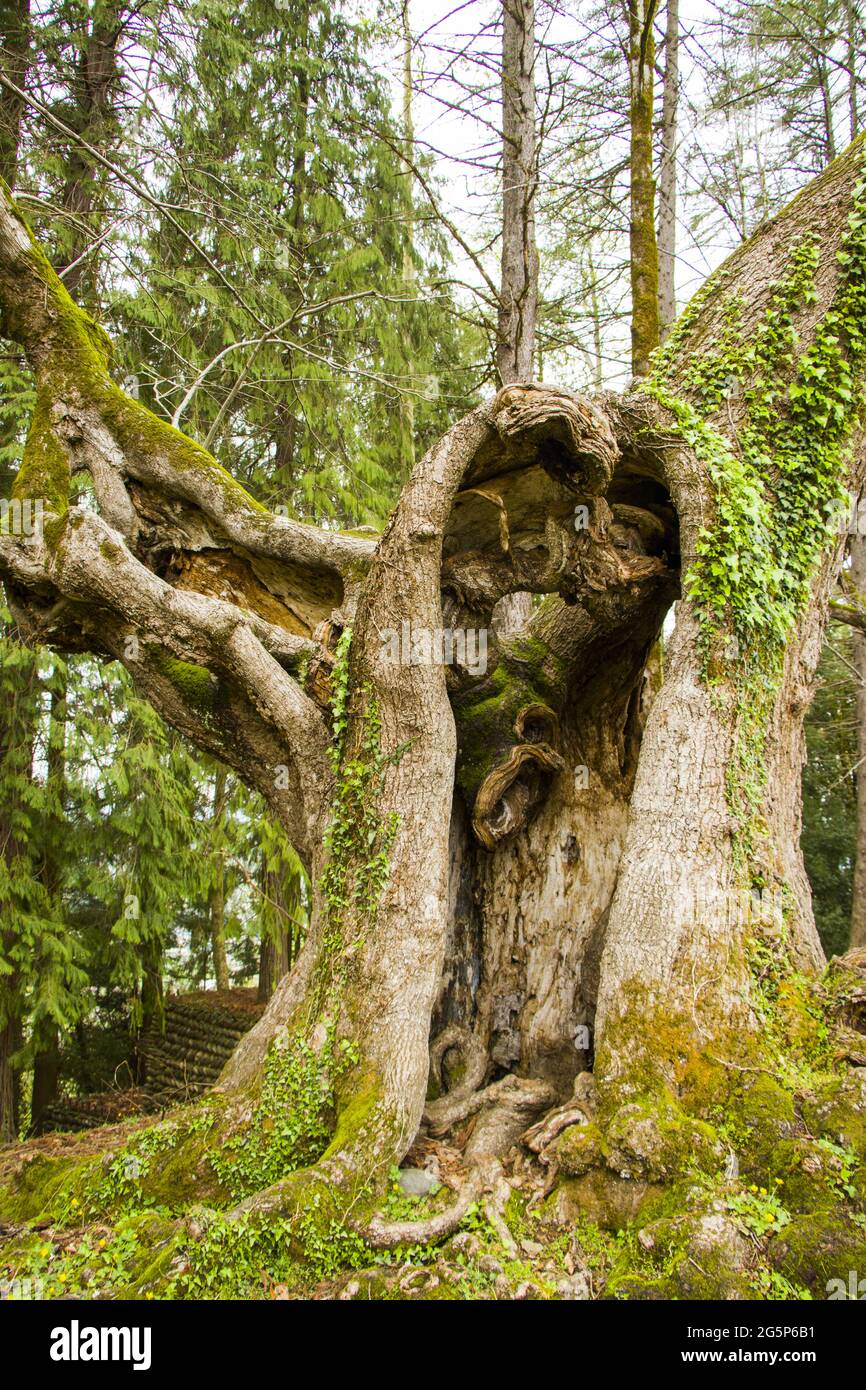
{"points": [[218, 936], [644, 260], [827, 108], [857, 550], [407, 403], [518, 292], [46, 1079], [667, 238], [18, 730], [94, 118], [46, 1060], [11, 1038], [518, 297], [15, 47], [281, 902], [852, 33], [287, 419], [217, 897], [150, 1004]]}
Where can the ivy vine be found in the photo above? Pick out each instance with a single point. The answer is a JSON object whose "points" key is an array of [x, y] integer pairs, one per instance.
{"points": [[777, 490]]}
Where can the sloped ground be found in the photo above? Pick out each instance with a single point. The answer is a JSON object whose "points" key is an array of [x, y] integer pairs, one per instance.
{"points": [[181, 1060]]}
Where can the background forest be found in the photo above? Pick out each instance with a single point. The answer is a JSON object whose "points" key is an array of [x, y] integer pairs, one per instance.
{"points": [[290, 216]]}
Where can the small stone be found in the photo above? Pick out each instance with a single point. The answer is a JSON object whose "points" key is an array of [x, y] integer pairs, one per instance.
{"points": [[465, 1243], [417, 1182], [526, 1291], [489, 1265], [350, 1291], [646, 1240], [531, 1248], [575, 1288]]}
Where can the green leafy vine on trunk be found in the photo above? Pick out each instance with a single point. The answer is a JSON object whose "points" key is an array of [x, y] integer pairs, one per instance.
{"points": [[778, 489]]}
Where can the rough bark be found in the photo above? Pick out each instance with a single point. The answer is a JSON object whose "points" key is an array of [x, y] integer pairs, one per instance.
{"points": [[15, 45], [217, 900], [281, 929], [94, 119], [676, 935], [46, 1060], [17, 737], [11, 1040], [46, 1079], [852, 30], [407, 402]]}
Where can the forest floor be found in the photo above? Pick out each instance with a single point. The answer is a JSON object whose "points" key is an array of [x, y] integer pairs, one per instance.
{"points": [[554, 1238]]}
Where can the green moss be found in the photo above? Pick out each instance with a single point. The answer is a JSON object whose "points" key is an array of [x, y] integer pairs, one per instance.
{"points": [[609, 1201], [836, 1109], [757, 1098], [653, 1138], [48, 1187], [165, 1165], [44, 472], [141, 433], [485, 714], [579, 1149], [195, 684], [76, 367], [819, 1247]]}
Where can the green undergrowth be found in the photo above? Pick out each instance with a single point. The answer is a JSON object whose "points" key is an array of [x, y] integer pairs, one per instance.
{"points": [[647, 1206], [211, 1254]]}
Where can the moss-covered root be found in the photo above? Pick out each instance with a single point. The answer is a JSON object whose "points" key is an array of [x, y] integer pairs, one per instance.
{"points": [[752, 1187]]}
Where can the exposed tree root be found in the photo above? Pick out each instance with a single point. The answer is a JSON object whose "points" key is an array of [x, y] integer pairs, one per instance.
{"points": [[509, 1102], [577, 1110], [387, 1235], [475, 1061]]}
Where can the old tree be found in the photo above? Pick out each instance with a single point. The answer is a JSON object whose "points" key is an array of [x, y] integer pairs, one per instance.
{"points": [[550, 895]]}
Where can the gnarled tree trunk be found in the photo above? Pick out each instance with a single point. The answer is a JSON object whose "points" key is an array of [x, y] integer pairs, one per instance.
{"points": [[510, 847]]}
